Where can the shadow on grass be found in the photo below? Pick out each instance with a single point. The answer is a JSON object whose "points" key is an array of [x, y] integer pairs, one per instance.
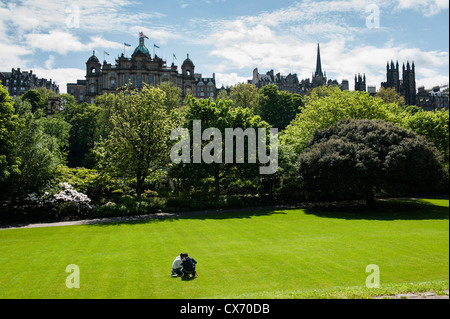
{"points": [[203, 215], [353, 210], [384, 210]]}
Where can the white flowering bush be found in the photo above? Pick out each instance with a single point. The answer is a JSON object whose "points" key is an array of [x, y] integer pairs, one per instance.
{"points": [[67, 200]]}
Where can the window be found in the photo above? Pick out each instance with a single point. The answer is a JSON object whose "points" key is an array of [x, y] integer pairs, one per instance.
{"points": [[92, 89], [113, 83], [139, 80]]}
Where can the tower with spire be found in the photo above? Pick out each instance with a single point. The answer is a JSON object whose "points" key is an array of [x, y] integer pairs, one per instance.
{"points": [[319, 77]]}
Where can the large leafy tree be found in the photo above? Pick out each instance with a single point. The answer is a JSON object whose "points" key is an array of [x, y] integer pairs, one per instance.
{"points": [[139, 136], [220, 115], [355, 158], [390, 95], [35, 98], [9, 123], [85, 120], [329, 107], [244, 95], [434, 126], [278, 108], [38, 148]]}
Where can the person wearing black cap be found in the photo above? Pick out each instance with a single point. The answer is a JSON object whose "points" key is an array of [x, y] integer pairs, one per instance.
{"points": [[189, 265]]}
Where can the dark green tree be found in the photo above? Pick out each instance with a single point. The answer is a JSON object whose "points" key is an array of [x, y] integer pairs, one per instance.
{"points": [[35, 98], [278, 108], [356, 158], [85, 124]]}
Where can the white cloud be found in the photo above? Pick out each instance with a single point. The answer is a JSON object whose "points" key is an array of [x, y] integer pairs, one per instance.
{"points": [[54, 41], [16, 56], [161, 34], [64, 42], [428, 7], [286, 40], [229, 79]]}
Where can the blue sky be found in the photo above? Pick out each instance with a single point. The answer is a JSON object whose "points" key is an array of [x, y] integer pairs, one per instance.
{"points": [[230, 38]]}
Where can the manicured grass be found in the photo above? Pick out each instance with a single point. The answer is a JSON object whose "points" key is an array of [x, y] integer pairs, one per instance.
{"points": [[268, 254]]}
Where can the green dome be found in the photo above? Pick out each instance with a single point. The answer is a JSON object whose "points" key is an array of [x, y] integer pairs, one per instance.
{"points": [[141, 48]]}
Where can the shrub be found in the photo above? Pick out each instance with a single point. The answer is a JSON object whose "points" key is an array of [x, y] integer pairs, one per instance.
{"points": [[354, 158]]}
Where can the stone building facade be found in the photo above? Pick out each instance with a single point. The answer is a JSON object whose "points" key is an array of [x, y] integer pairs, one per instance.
{"points": [[406, 87], [432, 100], [135, 71], [291, 82], [18, 82]]}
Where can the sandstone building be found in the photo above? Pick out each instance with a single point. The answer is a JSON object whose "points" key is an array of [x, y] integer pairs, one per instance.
{"points": [[135, 71]]}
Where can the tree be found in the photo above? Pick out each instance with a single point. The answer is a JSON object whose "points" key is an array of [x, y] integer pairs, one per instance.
{"points": [[173, 95], [139, 139], [220, 115], [354, 158], [39, 153], [434, 126], [85, 124], [323, 111], [278, 108], [390, 95], [244, 95], [9, 122], [35, 98]]}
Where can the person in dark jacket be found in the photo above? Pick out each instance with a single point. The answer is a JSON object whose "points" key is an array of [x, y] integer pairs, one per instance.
{"points": [[188, 264]]}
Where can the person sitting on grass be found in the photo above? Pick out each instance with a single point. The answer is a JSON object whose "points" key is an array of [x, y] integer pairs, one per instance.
{"points": [[176, 266], [188, 264]]}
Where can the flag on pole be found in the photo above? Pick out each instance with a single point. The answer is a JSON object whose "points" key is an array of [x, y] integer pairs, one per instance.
{"points": [[106, 52], [155, 46], [174, 56], [126, 44], [143, 35]]}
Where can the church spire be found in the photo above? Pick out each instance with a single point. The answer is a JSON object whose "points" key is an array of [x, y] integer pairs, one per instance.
{"points": [[318, 63]]}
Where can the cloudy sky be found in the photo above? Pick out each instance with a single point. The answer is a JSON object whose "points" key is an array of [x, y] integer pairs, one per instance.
{"points": [[230, 38]]}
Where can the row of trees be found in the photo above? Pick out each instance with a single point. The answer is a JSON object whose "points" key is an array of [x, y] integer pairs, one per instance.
{"points": [[125, 138]]}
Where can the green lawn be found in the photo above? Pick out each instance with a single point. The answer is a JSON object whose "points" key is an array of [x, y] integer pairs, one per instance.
{"points": [[279, 253]]}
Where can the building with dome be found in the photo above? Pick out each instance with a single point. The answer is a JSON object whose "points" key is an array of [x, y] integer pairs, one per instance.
{"points": [[135, 71]]}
